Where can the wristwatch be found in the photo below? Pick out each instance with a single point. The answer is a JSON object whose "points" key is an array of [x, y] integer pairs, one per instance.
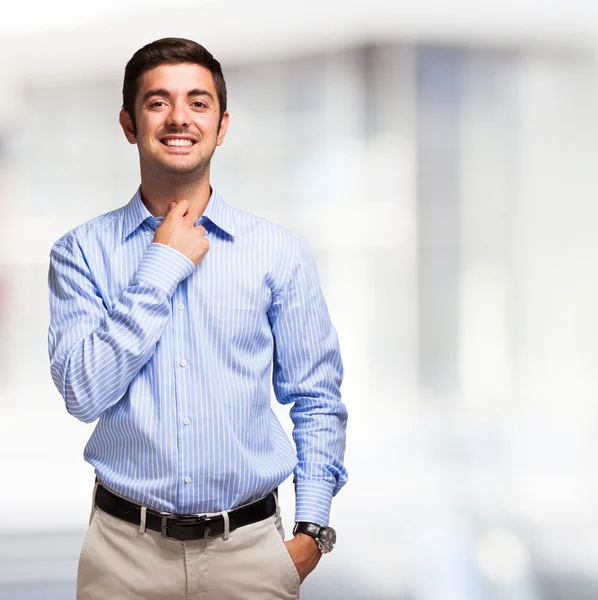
{"points": [[325, 536]]}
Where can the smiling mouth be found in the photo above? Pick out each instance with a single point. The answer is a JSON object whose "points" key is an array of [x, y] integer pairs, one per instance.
{"points": [[177, 143]]}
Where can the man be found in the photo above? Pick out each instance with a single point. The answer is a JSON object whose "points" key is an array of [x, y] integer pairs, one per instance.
{"points": [[168, 318]]}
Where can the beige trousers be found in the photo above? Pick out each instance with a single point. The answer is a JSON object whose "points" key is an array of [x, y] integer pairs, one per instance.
{"points": [[118, 562]]}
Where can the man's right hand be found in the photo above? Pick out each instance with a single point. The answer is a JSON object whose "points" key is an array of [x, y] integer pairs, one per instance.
{"points": [[179, 232]]}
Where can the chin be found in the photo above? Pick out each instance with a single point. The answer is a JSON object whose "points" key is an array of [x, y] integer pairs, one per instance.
{"points": [[179, 167]]}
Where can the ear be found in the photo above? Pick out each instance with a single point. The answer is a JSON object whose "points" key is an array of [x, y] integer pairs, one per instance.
{"points": [[223, 128], [127, 124]]}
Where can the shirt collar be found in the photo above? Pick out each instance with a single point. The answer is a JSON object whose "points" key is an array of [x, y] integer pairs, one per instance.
{"points": [[217, 211], [220, 213], [135, 214]]}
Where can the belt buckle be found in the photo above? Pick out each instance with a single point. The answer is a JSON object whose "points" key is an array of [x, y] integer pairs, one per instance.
{"points": [[183, 520]]}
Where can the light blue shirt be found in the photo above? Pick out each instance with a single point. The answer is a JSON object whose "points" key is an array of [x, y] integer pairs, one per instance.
{"points": [[176, 361]]}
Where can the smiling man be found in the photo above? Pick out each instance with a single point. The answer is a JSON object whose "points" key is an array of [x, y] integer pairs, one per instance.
{"points": [[169, 319]]}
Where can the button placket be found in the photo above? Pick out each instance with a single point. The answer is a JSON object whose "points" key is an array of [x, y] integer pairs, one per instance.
{"points": [[180, 317]]}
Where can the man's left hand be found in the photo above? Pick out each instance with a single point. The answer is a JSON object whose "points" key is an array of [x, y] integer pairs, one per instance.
{"points": [[305, 554]]}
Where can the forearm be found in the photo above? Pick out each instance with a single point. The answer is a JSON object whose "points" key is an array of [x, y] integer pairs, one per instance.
{"points": [[94, 358], [319, 435], [95, 372]]}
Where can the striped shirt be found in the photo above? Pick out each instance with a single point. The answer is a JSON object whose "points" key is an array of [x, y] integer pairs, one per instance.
{"points": [[175, 361]]}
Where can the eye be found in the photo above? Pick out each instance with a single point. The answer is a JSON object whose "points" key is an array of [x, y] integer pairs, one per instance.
{"points": [[156, 103], [198, 104]]}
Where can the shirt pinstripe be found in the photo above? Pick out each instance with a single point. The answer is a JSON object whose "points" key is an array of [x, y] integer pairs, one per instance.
{"points": [[176, 361]]}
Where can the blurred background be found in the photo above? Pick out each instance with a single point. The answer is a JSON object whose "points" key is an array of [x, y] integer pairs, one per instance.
{"points": [[440, 157]]}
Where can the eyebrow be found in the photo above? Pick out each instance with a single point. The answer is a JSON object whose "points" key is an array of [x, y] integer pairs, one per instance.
{"points": [[166, 94]]}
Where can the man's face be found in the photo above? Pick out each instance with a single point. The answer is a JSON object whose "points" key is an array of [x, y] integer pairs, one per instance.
{"points": [[177, 116]]}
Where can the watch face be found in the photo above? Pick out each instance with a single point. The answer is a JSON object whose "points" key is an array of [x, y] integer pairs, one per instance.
{"points": [[327, 539]]}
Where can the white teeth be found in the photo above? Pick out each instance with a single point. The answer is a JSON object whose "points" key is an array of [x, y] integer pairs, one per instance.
{"points": [[179, 143]]}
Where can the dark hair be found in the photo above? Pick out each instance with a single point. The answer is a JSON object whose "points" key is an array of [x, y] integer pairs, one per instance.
{"points": [[169, 51]]}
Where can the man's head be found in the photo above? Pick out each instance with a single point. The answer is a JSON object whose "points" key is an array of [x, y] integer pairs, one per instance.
{"points": [[169, 51], [174, 106]]}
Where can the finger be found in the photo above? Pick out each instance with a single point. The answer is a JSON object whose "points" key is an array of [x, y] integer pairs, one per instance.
{"points": [[202, 230], [180, 208]]}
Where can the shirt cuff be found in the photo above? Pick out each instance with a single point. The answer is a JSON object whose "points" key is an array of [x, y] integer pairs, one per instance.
{"points": [[163, 268], [312, 502]]}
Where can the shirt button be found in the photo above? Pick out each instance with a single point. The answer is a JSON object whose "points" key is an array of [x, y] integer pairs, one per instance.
{"points": [[183, 363], [187, 479], [187, 421], [181, 306], [147, 232]]}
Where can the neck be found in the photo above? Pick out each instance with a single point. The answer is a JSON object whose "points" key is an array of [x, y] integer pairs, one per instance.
{"points": [[158, 192]]}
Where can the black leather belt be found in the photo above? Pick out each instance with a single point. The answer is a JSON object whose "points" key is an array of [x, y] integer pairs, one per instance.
{"points": [[184, 527]]}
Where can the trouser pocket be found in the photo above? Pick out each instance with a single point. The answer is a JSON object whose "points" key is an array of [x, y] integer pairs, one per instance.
{"points": [[286, 560]]}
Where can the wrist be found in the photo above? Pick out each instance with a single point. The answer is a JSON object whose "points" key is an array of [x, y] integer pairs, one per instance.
{"points": [[325, 537], [308, 541]]}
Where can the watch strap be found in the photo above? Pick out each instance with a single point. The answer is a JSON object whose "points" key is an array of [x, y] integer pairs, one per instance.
{"points": [[311, 529]]}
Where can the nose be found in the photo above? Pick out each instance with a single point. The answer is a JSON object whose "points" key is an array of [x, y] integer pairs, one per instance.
{"points": [[178, 115]]}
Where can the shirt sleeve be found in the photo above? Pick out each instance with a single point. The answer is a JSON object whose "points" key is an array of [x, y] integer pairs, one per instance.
{"points": [[308, 372], [94, 351]]}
